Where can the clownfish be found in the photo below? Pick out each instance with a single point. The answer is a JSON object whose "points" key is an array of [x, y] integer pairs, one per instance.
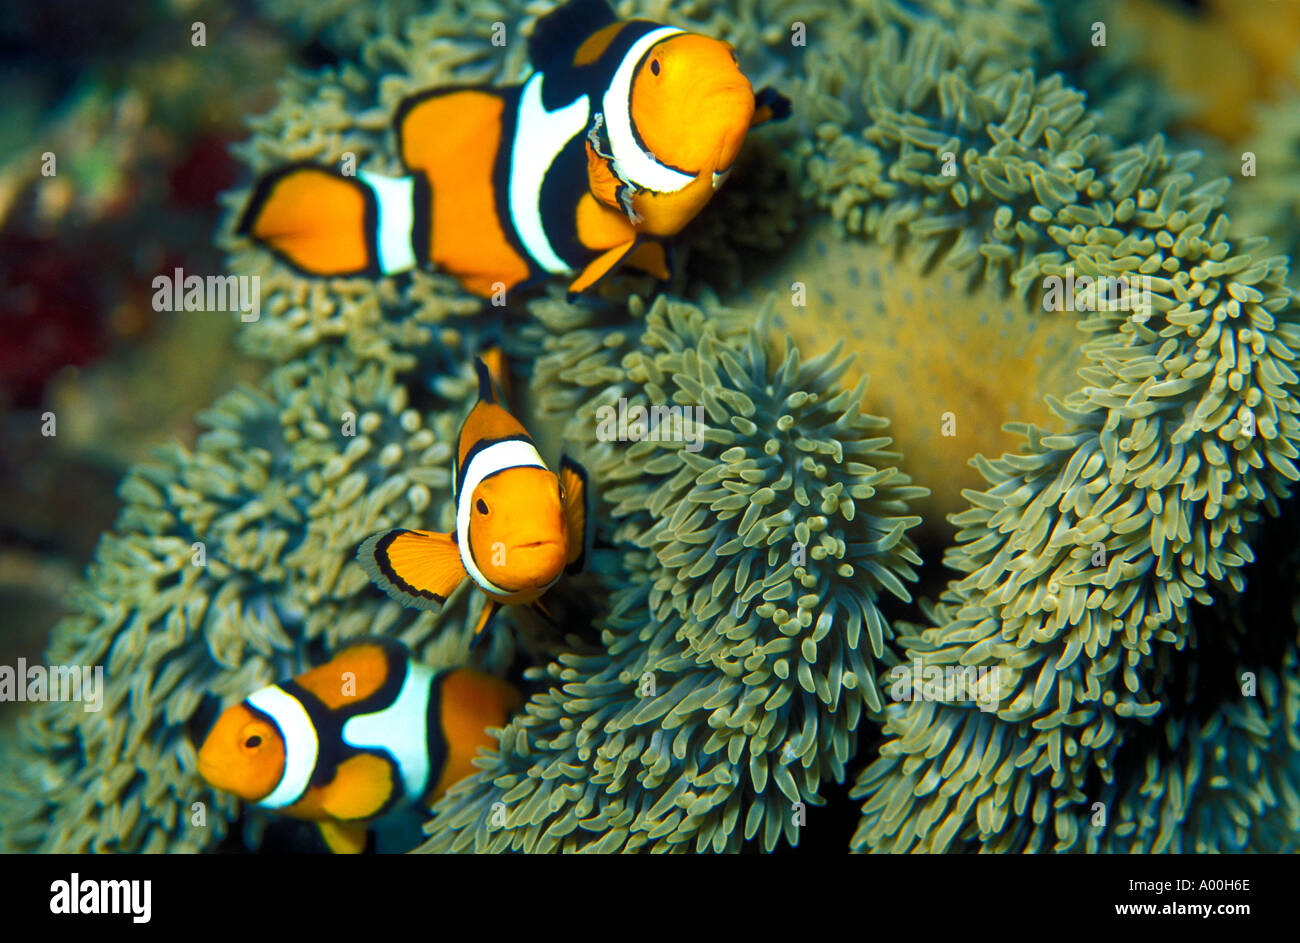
{"points": [[519, 526], [614, 143], [355, 738]]}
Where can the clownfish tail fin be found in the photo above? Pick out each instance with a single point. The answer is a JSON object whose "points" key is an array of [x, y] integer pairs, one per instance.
{"points": [[557, 35], [769, 105], [326, 223]]}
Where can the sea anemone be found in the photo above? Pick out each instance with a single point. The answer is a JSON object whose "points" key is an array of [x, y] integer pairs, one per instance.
{"points": [[231, 567], [743, 644], [1087, 546]]}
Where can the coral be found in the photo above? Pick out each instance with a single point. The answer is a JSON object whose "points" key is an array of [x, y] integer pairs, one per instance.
{"points": [[710, 678], [748, 604]]}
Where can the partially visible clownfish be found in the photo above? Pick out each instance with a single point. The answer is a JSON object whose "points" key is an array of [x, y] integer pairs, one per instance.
{"points": [[614, 143], [519, 526], [366, 733]]}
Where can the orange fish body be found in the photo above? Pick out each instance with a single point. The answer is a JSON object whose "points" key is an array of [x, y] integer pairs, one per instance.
{"points": [[355, 738], [519, 526], [614, 143]]}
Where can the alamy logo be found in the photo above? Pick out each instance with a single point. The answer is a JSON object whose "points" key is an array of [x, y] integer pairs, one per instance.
{"points": [[635, 423], [949, 683], [181, 292], [55, 683], [1104, 293], [76, 896]]}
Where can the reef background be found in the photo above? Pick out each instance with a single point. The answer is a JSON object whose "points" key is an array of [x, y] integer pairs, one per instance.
{"points": [[141, 123]]}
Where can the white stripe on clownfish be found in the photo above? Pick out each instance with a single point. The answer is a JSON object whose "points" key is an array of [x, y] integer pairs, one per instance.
{"points": [[501, 456], [632, 162], [401, 730], [395, 197], [301, 746], [540, 135]]}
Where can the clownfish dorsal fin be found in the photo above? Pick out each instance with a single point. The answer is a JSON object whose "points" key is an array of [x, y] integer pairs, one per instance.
{"points": [[573, 479], [495, 359], [418, 568], [557, 35], [363, 665], [485, 394]]}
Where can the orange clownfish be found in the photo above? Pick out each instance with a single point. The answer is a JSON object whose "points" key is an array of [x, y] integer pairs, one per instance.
{"points": [[519, 526], [614, 143], [355, 738]]}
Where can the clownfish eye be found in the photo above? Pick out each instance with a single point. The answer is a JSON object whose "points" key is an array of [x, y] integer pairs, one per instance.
{"points": [[481, 505], [253, 742], [654, 66]]}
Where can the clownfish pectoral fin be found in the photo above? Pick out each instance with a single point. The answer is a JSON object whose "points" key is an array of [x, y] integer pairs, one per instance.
{"points": [[769, 105], [344, 838], [652, 256], [573, 479], [601, 266], [364, 786], [490, 608], [418, 568], [545, 615], [558, 35], [318, 220], [604, 183]]}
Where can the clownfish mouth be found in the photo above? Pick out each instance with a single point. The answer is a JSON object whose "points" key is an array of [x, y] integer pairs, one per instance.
{"points": [[537, 545], [532, 564]]}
